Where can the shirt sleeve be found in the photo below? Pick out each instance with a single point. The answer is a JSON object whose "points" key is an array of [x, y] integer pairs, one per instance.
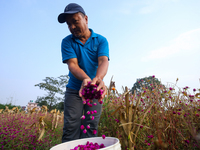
{"points": [[103, 48], [67, 50]]}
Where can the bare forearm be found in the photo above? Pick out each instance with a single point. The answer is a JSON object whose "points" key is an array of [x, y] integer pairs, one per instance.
{"points": [[102, 69], [78, 73]]}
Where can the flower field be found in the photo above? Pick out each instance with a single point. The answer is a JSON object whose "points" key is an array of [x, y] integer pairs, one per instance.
{"points": [[157, 117], [32, 130]]}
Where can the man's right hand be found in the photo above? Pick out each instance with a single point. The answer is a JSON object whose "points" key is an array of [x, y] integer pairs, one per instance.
{"points": [[84, 83]]}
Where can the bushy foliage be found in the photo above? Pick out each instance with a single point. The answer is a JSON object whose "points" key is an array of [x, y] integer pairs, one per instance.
{"points": [[155, 118], [10, 106]]}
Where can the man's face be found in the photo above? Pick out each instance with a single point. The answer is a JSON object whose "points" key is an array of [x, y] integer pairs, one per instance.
{"points": [[77, 24]]}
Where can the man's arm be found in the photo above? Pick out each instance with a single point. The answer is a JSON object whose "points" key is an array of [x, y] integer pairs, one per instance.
{"points": [[76, 70], [78, 73], [102, 67], [101, 72]]}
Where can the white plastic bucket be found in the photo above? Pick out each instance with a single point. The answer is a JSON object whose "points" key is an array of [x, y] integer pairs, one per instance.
{"points": [[110, 143]]}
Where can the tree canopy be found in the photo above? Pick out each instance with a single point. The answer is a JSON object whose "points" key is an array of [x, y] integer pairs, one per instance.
{"points": [[53, 87], [147, 83]]}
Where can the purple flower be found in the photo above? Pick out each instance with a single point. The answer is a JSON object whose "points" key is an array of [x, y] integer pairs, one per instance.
{"points": [[102, 145], [117, 120], [95, 111], [83, 117], [84, 131], [88, 126], [103, 136], [88, 112], [92, 117], [94, 131], [91, 112], [150, 136], [82, 127], [187, 141]]}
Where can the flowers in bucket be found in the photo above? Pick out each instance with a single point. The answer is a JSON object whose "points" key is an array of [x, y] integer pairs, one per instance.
{"points": [[89, 145]]}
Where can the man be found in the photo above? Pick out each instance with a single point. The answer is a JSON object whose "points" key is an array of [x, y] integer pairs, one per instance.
{"points": [[86, 54]]}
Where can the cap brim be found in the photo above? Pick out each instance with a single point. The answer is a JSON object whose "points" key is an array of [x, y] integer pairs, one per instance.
{"points": [[62, 16]]}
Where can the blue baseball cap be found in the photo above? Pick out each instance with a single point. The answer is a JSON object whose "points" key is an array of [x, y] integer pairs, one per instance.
{"points": [[71, 8]]}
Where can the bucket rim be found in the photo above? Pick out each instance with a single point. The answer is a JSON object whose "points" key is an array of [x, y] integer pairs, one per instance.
{"points": [[117, 141]]}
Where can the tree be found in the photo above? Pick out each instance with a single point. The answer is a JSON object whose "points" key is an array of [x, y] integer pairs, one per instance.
{"points": [[146, 82], [52, 86]]}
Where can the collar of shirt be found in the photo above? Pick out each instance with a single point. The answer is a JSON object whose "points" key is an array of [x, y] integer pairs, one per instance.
{"points": [[93, 35]]}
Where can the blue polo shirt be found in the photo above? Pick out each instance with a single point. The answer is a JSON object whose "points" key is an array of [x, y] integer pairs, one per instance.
{"points": [[87, 55]]}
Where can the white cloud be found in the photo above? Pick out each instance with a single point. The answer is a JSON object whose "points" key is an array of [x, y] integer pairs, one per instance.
{"points": [[186, 42]]}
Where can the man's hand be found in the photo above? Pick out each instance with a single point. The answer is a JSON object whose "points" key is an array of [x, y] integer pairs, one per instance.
{"points": [[101, 85], [84, 83]]}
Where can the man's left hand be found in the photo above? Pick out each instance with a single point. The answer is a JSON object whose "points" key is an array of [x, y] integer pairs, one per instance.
{"points": [[101, 85]]}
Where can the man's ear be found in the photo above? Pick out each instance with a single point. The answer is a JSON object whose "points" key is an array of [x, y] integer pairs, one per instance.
{"points": [[86, 19]]}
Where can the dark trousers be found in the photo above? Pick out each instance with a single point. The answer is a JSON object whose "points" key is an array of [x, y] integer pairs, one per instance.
{"points": [[73, 110]]}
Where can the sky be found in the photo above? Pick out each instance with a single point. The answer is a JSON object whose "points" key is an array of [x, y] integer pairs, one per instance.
{"points": [[146, 37]]}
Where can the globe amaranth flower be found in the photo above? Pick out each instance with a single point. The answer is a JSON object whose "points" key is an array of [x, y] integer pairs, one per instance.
{"points": [[88, 126], [94, 132], [88, 112], [150, 136], [83, 117], [117, 120], [103, 136], [91, 112], [82, 127], [84, 131], [92, 117]]}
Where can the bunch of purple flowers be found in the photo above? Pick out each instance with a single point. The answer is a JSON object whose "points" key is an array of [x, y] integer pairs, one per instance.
{"points": [[89, 146], [90, 92]]}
